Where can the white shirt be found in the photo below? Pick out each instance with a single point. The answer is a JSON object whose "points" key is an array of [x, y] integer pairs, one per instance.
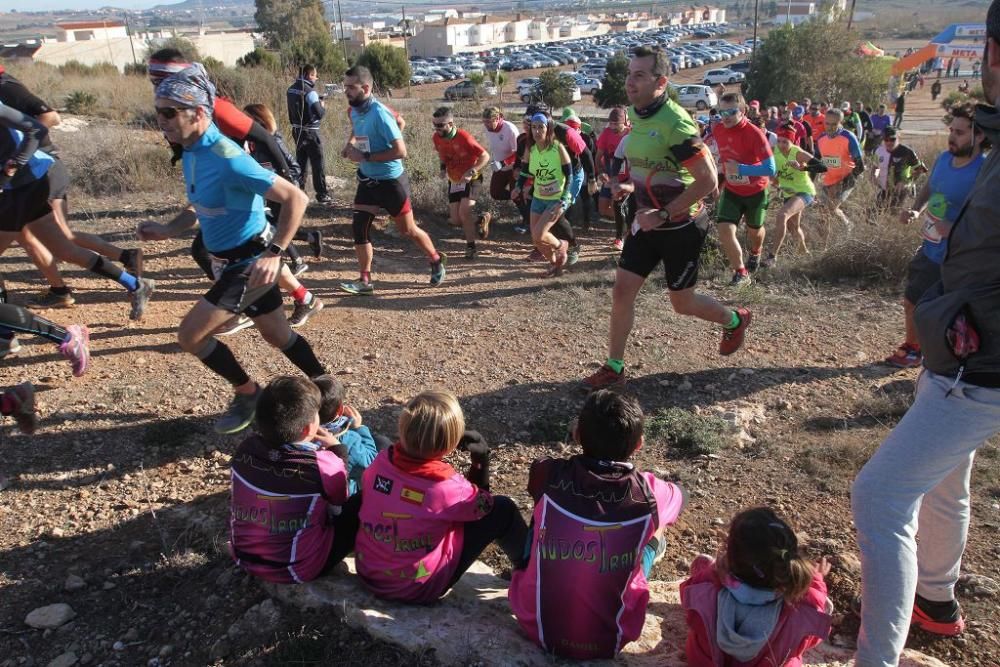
{"points": [[503, 142], [883, 166]]}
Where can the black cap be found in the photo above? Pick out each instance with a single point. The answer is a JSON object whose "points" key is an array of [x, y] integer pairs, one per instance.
{"points": [[889, 133]]}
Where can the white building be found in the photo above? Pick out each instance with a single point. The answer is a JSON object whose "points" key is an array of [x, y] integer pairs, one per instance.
{"points": [[90, 30], [799, 11]]}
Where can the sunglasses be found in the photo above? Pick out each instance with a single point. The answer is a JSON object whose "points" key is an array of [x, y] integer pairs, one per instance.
{"points": [[728, 113], [170, 112]]}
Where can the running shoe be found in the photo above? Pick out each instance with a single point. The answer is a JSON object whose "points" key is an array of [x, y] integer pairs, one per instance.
{"points": [[9, 345], [604, 378], [619, 244], [303, 311], [483, 225], [140, 297], [23, 398], [732, 339], [298, 268], [76, 348], [50, 299], [938, 618], [520, 229], [906, 355], [560, 259], [358, 287], [324, 199], [316, 243], [753, 263], [573, 255], [439, 270], [239, 414], [740, 278], [471, 253], [535, 256], [234, 324], [769, 262], [132, 260]]}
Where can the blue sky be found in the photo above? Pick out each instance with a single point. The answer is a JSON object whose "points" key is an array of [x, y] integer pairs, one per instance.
{"points": [[47, 5]]}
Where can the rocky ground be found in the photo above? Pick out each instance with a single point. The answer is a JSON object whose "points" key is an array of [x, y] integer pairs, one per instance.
{"points": [[113, 520]]}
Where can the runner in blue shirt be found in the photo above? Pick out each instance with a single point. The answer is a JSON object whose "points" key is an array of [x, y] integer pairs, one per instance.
{"points": [[939, 202], [377, 146], [226, 190]]}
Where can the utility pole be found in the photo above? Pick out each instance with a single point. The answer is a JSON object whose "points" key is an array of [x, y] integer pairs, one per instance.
{"points": [[340, 19], [128, 29], [756, 14], [406, 49], [850, 17]]}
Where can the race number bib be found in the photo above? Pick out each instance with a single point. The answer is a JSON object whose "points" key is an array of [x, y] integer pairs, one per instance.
{"points": [[362, 144], [457, 187], [937, 207], [831, 161], [550, 189], [219, 266], [736, 179]]}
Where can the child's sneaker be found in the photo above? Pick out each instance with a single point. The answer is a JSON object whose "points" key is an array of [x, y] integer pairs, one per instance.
{"points": [[76, 348], [23, 398], [938, 618], [906, 355]]}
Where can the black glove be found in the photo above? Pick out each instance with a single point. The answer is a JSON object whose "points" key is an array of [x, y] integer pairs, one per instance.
{"points": [[479, 451]]}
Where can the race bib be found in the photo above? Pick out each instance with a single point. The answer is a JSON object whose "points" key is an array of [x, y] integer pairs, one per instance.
{"points": [[831, 161], [219, 266], [457, 187], [362, 144], [550, 189], [736, 179], [930, 232]]}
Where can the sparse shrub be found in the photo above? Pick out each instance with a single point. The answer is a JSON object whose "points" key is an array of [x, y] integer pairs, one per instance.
{"points": [[687, 433], [109, 160], [81, 102], [136, 69], [76, 68]]}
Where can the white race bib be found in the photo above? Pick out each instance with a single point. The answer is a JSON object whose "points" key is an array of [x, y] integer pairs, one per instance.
{"points": [[736, 179], [549, 189], [831, 161], [457, 187], [362, 144], [930, 232]]}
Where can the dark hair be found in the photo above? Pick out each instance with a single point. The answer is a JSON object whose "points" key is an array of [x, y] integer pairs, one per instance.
{"points": [[331, 392], [993, 21], [442, 112], [763, 551], [661, 62], [168, 55], [609, 426], [734, 98], [362, 74], [306, 70], [285, 408], [967, 110]]}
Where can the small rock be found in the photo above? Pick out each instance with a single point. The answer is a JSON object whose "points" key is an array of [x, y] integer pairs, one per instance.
{"points": [[717, 521], [685, 386], [86, 658], [849, 563], [166, 650], [219, 650], [747, 371], [132, 635], [74, 583], [67, 659], [50, 616], [978, 585], [118, 646], [108, 585]]}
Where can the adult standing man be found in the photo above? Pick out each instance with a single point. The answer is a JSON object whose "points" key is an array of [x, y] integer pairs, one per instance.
{"points": [[462, 163], [898, 165], [939, 201], [305, 111], [935, 90], [911, 500], [844, 162], [747, 165], [670, 172], [226, 190], [501, 134], [897, 121], [376, 145], [880, 121]]}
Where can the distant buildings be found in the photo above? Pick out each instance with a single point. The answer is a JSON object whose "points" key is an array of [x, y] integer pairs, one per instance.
{"points": [[800, 11]]}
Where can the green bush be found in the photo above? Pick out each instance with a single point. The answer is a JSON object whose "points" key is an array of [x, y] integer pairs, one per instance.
{"points": [[612, 92], [76, 68], [975, 95], [81, 102], [260, 58], [136, 69], [687, 433]]}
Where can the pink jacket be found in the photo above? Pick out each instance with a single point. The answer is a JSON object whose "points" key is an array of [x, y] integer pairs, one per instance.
{"points": [[411, 531], [583, 593], [279, 528], [800, 627]]}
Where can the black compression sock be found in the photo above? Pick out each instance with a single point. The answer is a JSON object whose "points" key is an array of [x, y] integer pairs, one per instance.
{"points": [[563, 231], [300, 353], [220, 359]]}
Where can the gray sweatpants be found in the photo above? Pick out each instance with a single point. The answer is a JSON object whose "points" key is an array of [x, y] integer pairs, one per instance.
{"points": [[917, 485]]}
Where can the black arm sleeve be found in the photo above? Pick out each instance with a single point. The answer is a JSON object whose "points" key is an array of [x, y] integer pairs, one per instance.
{"points": [[587, 159], [32, 134], [816, 166], [266, 143]]}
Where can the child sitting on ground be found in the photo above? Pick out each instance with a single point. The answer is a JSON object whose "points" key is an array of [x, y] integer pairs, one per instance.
{"points": [[597, 530], [761, 603], [422, 523], [291, 518], [357, 445]]}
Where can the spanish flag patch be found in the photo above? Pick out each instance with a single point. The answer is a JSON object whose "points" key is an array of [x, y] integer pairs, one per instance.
{"points": [[411, 496]]}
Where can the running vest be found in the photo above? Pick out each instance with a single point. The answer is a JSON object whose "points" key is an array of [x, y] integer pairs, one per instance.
{"points": [[792, 181], [579, 596], [545, 167]]}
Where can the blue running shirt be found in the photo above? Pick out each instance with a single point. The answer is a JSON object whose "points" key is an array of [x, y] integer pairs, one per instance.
{"points": [[226, 188], [949, 189], [375, 129]]}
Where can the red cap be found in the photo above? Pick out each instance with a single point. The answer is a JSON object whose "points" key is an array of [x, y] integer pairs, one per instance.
{"points": [[755, 104], [786, 133]]}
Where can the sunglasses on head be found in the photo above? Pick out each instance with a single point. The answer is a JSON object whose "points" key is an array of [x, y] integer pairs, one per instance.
{"points": [[726, 113], [170, 112]]}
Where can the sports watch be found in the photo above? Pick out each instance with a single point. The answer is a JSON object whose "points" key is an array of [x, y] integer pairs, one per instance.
{"points": [[275, 249]]}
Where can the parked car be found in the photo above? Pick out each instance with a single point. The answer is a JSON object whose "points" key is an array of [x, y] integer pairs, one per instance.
{"points": [[588, 85], [693, 96], [742, 66], [716, 76], [468, 90]]}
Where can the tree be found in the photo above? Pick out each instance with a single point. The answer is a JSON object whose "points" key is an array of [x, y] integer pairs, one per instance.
{"points": [[777, 72], [388, 65], [555, 88], [299, 31], [477, 79], [499, 79], [260, 58], [186, 47], [612, 92]]}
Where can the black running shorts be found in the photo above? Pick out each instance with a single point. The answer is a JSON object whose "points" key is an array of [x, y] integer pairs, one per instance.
{"points": [[678, 248], [393, 194], [471, 190], [230, 293]]}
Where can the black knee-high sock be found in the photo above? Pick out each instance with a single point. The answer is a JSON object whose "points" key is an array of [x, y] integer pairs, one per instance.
{"points": [[220, 359], [18, 319], [300, 353], [563, 231], [199, 253]]}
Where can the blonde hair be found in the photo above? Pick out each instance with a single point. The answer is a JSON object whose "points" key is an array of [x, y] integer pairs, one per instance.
{"points": [[262, 114], [431, 425]]}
